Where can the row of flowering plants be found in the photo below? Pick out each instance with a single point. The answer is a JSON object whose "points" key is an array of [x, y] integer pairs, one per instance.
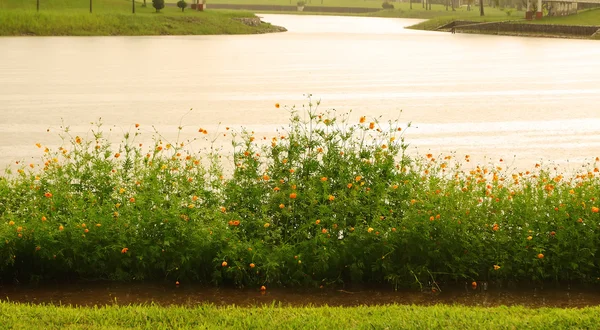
{"points": [[328, 200]]}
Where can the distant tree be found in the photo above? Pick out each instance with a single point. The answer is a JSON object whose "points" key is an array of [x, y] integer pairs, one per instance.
{"points": [[160, 4], [182, 4], [38, 5], [481, 13]]}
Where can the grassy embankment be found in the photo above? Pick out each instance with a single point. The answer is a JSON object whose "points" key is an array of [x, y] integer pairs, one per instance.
{"points": [[584, 18], [114, 17], [22, 316]]}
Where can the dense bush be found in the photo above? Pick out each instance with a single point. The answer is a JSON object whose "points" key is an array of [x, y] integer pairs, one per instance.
{"points": [[387, 5], [326, 202], [182, 4], [158, 4]]}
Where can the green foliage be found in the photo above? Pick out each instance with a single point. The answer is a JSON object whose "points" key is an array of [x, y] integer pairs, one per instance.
{"points": [[158, 5], [182, 4], [387, 5], [328, 201], [21, 316]]}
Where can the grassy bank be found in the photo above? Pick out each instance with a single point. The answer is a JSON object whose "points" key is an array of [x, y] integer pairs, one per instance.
{"points": [[587, 17], [584, 18], [20, 316], [329, 201], [114, 17]]}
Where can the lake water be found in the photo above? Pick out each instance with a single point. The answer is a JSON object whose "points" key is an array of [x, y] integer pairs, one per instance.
{"points": [[521, 99]]}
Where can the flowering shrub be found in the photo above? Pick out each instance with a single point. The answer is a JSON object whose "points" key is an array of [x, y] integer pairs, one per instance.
{"points": [[327, 201]]}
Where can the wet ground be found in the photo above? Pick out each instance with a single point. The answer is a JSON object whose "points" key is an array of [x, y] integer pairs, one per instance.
{"points": [[90, 294]]}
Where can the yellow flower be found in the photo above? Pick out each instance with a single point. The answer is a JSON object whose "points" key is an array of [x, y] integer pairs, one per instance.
{"points": [[529, 238], [11, 223], [496, 267], [267, 225], [370, 229]]}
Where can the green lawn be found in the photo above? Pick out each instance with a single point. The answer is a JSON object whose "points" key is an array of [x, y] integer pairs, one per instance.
{"points": [[20, 316], [588, 17], [114, 17]]}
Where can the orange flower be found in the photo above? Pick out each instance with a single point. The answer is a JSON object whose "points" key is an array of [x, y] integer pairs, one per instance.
{"points": [[224, 264], [394, 229], [124, 250], [324, 179], [495, 227], [194, 198], [371, 125], [474, 285], [331, 198], [395, 186], [349, 185], [132, 200], [236, 222], [266, 177], [83, 225], [11, 223], [293, 195], [137, 125], [277, 105], [19, 229], [318, 221], [281, 206], [117, 155], [48, 194], [230, 222], [595, 209], [276, 189], [61, 228], [263, 288], [86, 230], [252, 265], [540, 256], [324, 231], [176, 282], [358, 178], [222, 208], [496, 267], [38, 145], [362, 119]]}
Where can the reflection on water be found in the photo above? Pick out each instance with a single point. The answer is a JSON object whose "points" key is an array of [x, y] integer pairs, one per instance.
{"points": [[480, 95], [189, 295]]}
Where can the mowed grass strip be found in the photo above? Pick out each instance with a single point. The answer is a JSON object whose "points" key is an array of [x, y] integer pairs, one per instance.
{"points": [[24, 316]]}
